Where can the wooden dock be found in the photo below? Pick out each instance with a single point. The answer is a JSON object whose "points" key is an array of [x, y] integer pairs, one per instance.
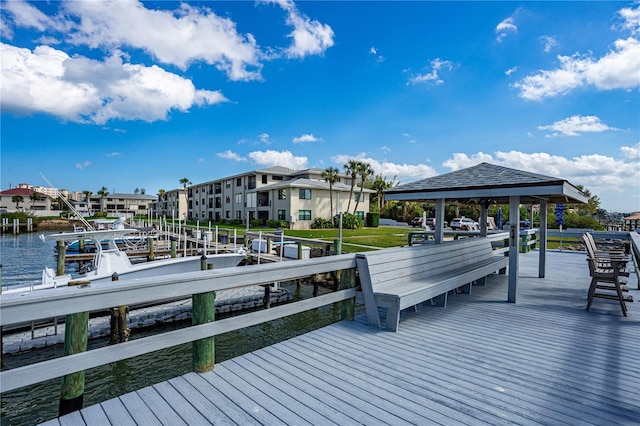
{"points": [[480, 360]]}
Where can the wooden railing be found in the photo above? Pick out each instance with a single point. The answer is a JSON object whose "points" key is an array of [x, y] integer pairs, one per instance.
{"points": [[69, 301]]}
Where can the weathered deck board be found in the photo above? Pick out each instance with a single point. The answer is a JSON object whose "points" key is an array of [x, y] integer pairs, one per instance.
{"points": [[480, 360]]}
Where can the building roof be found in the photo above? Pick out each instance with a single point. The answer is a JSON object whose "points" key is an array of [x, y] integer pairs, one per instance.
{"points": [[633, 217], [25, 192], [128, 196], [489, 182], [310, 184]]}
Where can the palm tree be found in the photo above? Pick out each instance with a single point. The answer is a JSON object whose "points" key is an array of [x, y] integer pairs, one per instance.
{"points": [[364, 170], [17, 199], [330, 175], [380, 184], [185, 181], [87, 195], [351, 168], [103, 192], [161, 193], [34, 197]]}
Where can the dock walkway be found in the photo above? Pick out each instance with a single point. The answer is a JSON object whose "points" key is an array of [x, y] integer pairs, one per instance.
{"points": [[480, 360]]}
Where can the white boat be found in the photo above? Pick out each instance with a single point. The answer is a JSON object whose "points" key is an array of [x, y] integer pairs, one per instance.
{"points": [[109, 259]]}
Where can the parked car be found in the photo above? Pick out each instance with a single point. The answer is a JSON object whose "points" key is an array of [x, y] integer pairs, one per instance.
{"points": [[524, 224], [463, 223], [431, 222], [417, 221]]}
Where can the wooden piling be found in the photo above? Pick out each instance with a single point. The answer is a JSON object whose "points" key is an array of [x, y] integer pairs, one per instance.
{"points": [[62, 252], [75, 341], [347, 307], [203, 311], [152, 254], [174, 248], [337, 248], [118, 321]]}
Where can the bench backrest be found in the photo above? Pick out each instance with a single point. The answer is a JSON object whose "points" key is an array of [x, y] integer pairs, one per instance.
{"points": [[412, 263]]}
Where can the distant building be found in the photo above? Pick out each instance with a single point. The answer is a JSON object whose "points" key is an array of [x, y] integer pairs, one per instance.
{"points": [[632, 222], [137, 204], [28, 203], [274, 193]]}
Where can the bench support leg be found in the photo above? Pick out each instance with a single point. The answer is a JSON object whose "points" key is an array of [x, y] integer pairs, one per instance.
{"points": [[393, 318], [481, 281], [466, 289], [441, 300]]}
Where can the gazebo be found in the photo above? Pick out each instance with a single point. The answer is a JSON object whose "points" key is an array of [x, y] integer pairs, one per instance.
{"points": [[486, 184]]}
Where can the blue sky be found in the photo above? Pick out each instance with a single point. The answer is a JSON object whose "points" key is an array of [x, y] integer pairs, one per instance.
{"points": [[140, 94]]}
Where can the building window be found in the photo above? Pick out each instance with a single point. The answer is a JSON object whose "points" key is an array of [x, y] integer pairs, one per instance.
{"points": [[227, 199], [238, 181], [227, 184], [360, 214], [264, 178], [238, 214], [227, 214], [305, 194], [282, 215], [277, 178], [356, 197], [304, 214], [238, 198], [282, 194]]}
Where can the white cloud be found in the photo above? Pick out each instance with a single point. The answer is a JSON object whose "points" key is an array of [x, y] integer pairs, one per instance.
{"points": [[374, 52], [264, 138], [385, 149], [575, 125], [307, 137], [549, 42], [230, 155], [599, 173], [114, 154], [402, 172], [631, 19], [83, 165], [85, 90], [179, 37], [617, 69], [432, 76], [506, 26], [278, 158], [26, 15], [631, 152], [309, 37], [511, 71]]}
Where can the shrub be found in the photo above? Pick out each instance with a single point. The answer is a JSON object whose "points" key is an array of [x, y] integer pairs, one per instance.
{"points": [[277, 223], [320, 223], [350, 221], [373, 219]]}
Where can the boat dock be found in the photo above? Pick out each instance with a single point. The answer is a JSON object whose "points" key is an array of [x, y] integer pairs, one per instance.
{"points": [[480, 360]]}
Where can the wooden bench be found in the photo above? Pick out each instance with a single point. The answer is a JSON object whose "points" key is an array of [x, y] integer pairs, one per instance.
{"points": [[395, 279]]}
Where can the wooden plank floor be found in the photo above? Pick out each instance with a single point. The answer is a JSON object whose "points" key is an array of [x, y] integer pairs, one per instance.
{"points": [[480, 360]]}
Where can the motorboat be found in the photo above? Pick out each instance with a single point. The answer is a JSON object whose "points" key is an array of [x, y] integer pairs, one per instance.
{"points": [[109, 258]]}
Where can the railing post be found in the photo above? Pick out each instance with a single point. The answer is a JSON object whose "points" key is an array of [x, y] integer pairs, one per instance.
{"points": [[75, 341], [203, 311]]}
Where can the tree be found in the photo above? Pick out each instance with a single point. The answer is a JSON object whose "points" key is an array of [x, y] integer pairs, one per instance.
{"points": [[136, 191], [87, 195], [161, 193], [34, 197], [380, 184], [364, 170], [351, 168], [330, 175], [143, 191], [185, 181], [103, 192], [17, 199]]}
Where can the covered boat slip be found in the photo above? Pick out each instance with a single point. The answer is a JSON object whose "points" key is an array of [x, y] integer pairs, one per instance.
{"points": [[480, 360]]}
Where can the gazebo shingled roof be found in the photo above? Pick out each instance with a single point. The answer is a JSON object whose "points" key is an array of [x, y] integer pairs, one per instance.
{"points": [[489, 182]]}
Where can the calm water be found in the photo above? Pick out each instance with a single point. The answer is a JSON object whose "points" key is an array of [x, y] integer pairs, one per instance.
{"points": [[23, 258]]}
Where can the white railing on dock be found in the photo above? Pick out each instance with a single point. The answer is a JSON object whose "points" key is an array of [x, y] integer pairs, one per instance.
{"points": [[15, 309]]}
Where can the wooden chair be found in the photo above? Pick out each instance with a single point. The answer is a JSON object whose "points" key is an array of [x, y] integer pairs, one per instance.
{"points": [[605, 272]]}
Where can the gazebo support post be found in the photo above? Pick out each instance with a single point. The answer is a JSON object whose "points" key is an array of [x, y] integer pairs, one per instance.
{"points": [[484, 209], [439, 231], [514, 241], [542, 262]]}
